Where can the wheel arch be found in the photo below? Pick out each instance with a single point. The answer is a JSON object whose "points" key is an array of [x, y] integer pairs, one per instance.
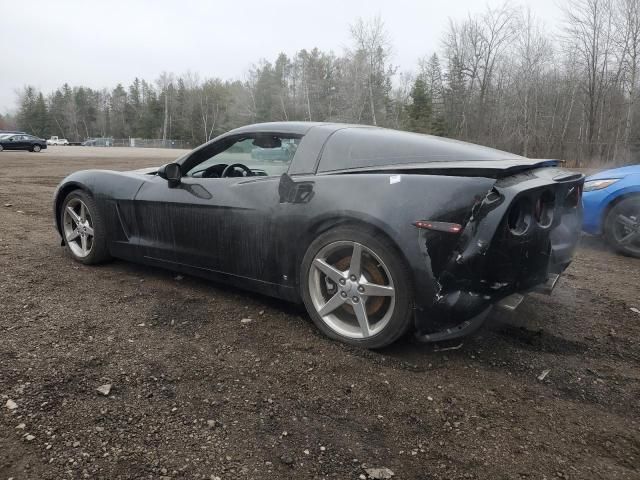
{"points": [[61, 194], [325, 224]]}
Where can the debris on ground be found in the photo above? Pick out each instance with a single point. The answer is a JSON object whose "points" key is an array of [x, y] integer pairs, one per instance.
{"points": [[382, 473], [214, 423], [11, 405], [8, 204], [436, 348], [246, 320], [635, 310], [544, 374], [104, 389]]}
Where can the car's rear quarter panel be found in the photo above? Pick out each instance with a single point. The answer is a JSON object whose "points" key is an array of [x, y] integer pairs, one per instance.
{"points": [[441, 262], [388, 204]]}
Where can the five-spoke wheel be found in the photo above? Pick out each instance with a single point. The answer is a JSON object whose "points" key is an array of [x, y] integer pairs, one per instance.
{"points": [[82, 228], [78, 228], [351, 289], [356, 288]]}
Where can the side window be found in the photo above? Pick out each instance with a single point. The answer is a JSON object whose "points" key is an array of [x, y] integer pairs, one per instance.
{"points": [[263, 156]]}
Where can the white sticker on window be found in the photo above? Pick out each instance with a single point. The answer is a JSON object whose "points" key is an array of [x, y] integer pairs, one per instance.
{"points": [[395, 179]]}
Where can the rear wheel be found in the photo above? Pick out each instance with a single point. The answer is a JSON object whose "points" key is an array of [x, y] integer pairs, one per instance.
{"points": [[1, 148], [622, 226], [36, 148], [83, 228], [357, 288]]}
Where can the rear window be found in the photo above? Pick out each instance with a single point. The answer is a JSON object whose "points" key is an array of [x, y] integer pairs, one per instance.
{"points": [[377, 147]]}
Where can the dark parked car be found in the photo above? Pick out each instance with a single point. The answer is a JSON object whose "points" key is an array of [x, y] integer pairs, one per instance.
{"points": [[21, 142], [377, 231]]}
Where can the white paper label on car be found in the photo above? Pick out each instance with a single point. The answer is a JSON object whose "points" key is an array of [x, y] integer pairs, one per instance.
{"points": [[395, 179]]}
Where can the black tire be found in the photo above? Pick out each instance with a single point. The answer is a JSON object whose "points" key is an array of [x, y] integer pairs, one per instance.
{"points": [[99, 252], [615, 231], [401, 318], [36, 148], [1, 148]]}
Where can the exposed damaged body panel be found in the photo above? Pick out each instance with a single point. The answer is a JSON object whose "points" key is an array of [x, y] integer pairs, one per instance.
{"points": [[495, 224]]}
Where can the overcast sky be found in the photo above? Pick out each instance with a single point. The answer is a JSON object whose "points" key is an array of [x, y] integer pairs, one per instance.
{"points": [[98, 44]]}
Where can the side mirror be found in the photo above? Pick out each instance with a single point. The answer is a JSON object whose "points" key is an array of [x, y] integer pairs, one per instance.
{"points": [[171, 173]]}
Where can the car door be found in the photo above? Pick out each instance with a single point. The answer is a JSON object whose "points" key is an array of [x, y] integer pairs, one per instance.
{"points": [[219, 225], [12, 142], [29, 141], [23, 143]]}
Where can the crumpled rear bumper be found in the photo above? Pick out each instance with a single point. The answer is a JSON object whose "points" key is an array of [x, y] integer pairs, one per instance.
{"points": [[492, 265]]}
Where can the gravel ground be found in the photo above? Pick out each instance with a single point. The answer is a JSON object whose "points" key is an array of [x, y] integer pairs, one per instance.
{"points": [[197, 393]]}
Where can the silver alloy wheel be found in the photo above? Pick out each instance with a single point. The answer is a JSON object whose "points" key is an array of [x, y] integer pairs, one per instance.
{"points": [[345, 297], [78, 227], [36, 148]]}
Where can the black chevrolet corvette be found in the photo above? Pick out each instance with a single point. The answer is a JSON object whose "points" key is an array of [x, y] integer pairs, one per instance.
{"points": [[377, 231]]}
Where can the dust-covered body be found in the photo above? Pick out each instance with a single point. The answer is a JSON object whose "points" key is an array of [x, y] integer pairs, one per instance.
{"points": [[376, 231]]}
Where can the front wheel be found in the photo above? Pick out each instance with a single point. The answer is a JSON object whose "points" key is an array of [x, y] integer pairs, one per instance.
{"points": [[83, 228], [622, 226], [357, 288], [36, 148]]}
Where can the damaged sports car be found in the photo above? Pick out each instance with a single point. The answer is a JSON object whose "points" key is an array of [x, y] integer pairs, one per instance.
{"points": [[378, 232]]}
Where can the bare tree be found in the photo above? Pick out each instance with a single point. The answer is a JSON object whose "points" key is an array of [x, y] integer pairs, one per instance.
{"points": [[588, 29], [372, 40], [165, 84], [627, 39], [533, 51]]}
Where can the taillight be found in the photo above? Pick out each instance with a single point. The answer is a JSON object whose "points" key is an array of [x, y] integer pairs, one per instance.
{"points": [[574, 195], [438, 226]]}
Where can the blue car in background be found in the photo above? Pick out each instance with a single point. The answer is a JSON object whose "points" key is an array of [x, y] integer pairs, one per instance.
{"points": [[611, 201]]}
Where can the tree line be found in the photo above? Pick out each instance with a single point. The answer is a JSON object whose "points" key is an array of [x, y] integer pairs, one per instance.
{"points": [[500, 78]]}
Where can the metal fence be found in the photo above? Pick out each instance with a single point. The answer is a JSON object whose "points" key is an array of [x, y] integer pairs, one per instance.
{"points": [[136, 142]]}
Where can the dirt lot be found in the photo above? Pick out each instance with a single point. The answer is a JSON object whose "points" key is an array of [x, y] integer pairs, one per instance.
{"points": [[196, 393]]}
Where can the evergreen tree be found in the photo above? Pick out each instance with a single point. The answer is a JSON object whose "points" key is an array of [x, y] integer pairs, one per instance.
{"points": [[419, 111]]}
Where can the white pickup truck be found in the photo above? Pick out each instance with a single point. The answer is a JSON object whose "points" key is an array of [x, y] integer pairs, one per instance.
{"points": [[57, 141]]}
